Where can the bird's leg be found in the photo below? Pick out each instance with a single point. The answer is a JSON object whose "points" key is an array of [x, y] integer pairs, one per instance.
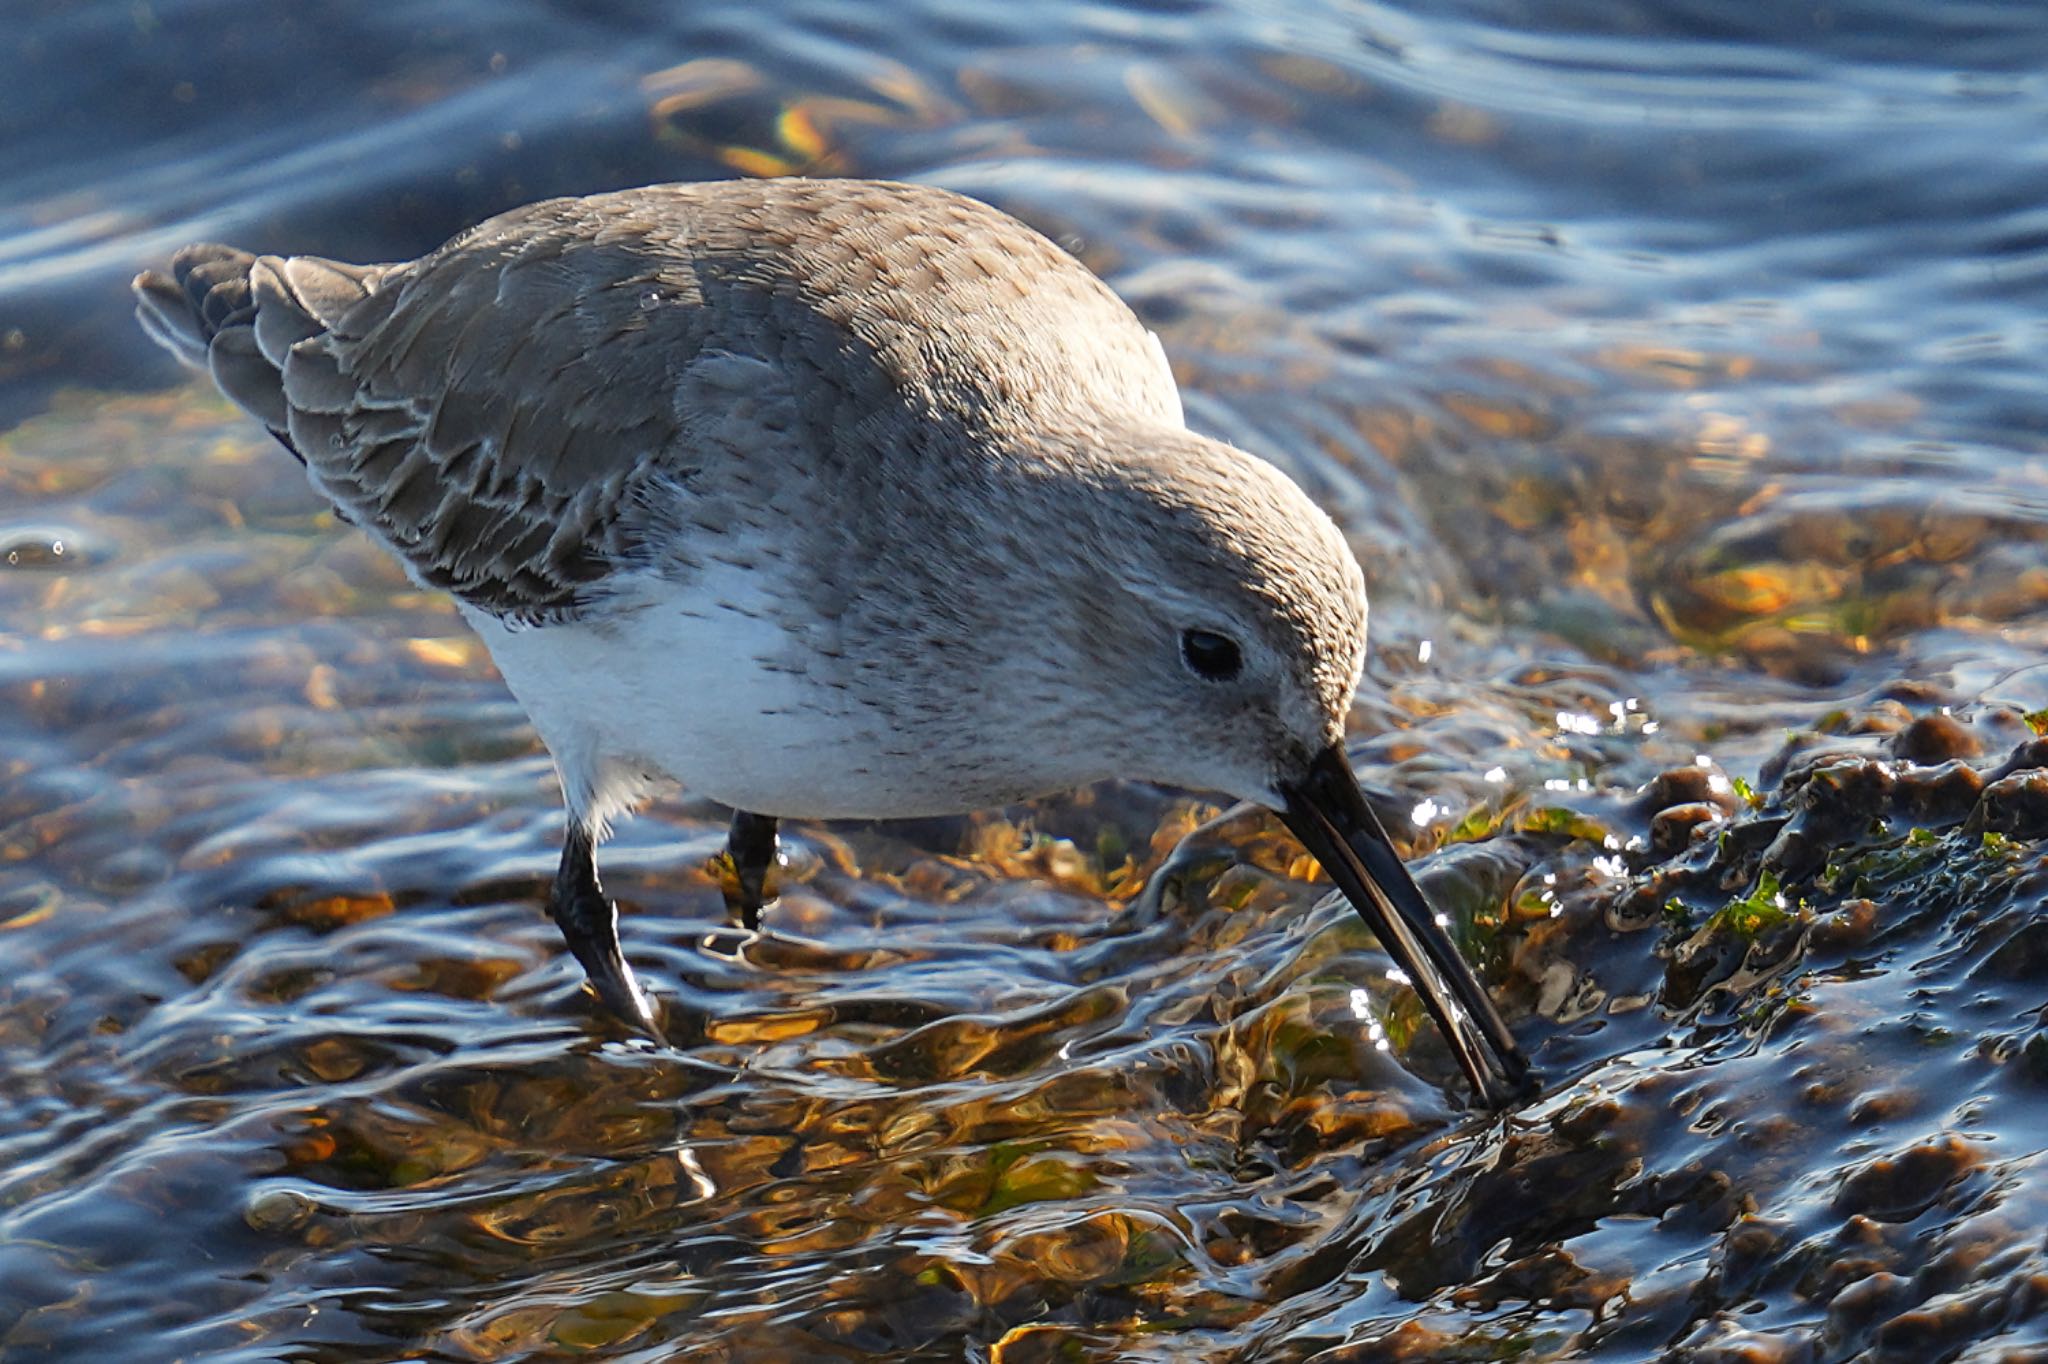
{"points": [[751, 847], [590, 924]]}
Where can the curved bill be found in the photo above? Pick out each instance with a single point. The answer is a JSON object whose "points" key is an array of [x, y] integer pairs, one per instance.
{"points": [[1328, 813]]}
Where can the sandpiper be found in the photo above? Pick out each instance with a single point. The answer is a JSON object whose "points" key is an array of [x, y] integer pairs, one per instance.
{"points": [[826, 499]]}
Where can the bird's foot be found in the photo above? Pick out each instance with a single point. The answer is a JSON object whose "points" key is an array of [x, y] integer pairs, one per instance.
{"points": [[745, 867], [590, 925]]}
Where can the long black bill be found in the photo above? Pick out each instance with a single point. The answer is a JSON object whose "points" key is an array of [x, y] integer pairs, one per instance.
{"points": [[1328, 813]]}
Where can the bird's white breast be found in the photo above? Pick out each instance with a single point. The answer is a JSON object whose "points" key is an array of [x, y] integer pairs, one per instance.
{"points": [[696, 684]]}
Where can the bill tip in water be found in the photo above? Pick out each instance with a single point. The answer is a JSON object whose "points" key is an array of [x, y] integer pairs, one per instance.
{"points": [[1328, 812]]}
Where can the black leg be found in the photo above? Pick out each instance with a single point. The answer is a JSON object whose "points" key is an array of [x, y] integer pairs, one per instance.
{"points": [[590, 924], [751, 846]]}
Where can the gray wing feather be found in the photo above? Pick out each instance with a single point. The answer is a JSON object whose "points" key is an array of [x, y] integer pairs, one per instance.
{"points": [[464, 416], [517, 413]]}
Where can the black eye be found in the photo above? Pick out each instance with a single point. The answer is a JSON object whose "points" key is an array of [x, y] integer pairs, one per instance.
{"points": [[1211, 655]]}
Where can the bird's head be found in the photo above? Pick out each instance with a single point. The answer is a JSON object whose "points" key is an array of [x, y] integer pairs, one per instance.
{"points": [[1218, 609]]}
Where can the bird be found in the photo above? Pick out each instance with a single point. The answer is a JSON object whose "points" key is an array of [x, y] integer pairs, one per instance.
{"points": [[824, 499]]}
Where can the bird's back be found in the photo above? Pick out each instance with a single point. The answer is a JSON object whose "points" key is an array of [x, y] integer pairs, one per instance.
{"points": [[506, 411]]}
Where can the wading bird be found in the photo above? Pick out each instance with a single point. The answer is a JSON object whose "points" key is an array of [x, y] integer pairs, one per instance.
{"points": [[827, 499]]}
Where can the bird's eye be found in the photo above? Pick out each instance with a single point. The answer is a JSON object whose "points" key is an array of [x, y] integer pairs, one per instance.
{"points": [[1211, 655]]}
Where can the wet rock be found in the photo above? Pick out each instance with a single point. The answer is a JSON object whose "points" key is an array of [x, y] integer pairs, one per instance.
{"points": [[1755, 932], [2015, 805], [1724, 1342], [1411, 1342], [1934, 1331], [1838, 803], [1914, 692], [1997, 726], [1858, 1309], [1750, 1247], [1801, 751], [1883, 1105], [1582, 1122], [2021, 956], [2033, 1056], [1938, 795], [1552, 1278], [1676, 826], [1848, 927], [1886, 715], [1047, 1344], [1642, 901], [276, 1211], [1860, 1247], [1935, 738], [1687, 786], [2031, 754], [1844, 790], [1900, 1188]]}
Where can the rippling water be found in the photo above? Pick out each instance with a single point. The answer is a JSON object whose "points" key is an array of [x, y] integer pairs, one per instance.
{"points": [[1677, 368]]}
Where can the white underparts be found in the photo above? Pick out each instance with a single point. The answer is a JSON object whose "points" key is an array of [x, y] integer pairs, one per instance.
{"points": [[701, 685]]}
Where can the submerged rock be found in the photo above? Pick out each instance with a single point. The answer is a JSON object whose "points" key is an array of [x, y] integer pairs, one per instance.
{"points": [[1819, 1141]]}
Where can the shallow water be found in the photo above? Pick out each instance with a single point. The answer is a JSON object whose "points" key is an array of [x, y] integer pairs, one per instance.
{"points": [[1677, 373]]}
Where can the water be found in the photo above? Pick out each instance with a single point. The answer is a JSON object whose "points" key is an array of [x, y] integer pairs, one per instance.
{"points": [[1676, 368]]}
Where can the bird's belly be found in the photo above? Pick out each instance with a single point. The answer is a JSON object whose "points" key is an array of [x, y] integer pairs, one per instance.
{"points": [[712, 697]]}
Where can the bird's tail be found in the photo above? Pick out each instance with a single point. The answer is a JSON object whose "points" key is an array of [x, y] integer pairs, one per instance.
{"points": [[238, 316]]}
